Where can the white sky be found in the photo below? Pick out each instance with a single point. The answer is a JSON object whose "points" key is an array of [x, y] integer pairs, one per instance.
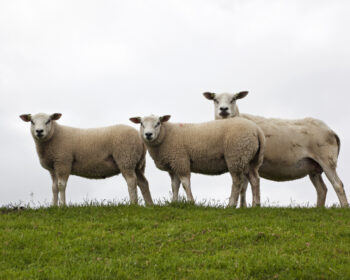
{"points": [[101, 62]]}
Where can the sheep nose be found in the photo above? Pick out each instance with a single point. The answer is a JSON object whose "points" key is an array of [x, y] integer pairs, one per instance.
{"points": [[148, 135], [224, 109], [39, 132]]}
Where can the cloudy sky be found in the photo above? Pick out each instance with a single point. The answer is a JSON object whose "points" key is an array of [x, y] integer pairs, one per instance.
{"points": [[101, 62]]}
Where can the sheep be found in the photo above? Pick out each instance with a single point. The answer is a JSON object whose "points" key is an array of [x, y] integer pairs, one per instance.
{"points": [[95, 153], [294, 148], [212, 148]]}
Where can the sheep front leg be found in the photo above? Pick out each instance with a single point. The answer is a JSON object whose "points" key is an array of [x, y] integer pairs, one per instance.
{"points": [[61, 185], [175, 185], [186, 183], [62, 172], [54, 189], [131, 180]]}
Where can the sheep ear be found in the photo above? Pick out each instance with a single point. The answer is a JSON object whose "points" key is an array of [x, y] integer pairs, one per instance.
{"points": [[136, 120], [55, 116], [240, 95], [209, 95], [26, 117], [165, 118]]}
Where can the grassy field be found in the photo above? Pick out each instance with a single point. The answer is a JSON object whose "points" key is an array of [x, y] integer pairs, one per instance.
{"points": [[175, 241]]}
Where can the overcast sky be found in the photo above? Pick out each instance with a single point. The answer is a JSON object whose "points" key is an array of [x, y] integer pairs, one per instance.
{"points": [[101, 62]]}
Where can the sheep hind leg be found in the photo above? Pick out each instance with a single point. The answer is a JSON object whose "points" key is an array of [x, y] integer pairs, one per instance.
{"points": [[237, 185], [320, 187], [186, 183], [254, 180], [243, 201], [131, 180], [144, 187], [175, 185], [337, 184]]}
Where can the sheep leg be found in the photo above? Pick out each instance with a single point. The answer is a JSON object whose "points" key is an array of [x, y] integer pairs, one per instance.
{"points": [[131, 180], [320, 187], [61, 185], [144, 187], [62, 171], [237, 182], [338, 186], [243, 202], [54, 189], [175, 185], [186, 183], [254, 180]]}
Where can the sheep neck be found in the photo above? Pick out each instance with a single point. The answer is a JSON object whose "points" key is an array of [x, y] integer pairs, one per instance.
{"points": [[236, 113]]}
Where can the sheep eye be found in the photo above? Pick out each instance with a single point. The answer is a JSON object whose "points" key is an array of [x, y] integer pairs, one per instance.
{"points": [[142, 125], [216, 101], [32, 122], [158, 124], [48, 122], [233, 100]]}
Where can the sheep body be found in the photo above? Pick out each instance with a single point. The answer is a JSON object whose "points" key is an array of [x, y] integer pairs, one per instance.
{"points": [[206, 152], [94, 153], [296, 145], [212, 148], [294, 148]]}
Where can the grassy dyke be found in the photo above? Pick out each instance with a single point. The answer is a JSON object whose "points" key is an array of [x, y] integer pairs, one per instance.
{"points": [[174, 241]]}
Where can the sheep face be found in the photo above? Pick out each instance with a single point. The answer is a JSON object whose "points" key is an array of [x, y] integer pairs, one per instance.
{"points": [[41, 125], [150, 126], [225, 103]]}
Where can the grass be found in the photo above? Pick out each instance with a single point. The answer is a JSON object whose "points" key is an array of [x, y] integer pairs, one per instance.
{"points": [[174, 241]]}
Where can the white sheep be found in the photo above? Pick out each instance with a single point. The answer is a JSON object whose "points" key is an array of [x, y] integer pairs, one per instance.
{"points": [[213, 148], [95, 153], [294, 148]]}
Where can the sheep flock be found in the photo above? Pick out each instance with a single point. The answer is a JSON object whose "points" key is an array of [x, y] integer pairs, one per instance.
{"points": [[243, 145]]}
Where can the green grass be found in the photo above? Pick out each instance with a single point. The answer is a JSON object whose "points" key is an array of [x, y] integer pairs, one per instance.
{"points": [[174, 241]]}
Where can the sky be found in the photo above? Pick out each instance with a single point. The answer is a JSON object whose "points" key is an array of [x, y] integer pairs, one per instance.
{"points": [[101, 62]]}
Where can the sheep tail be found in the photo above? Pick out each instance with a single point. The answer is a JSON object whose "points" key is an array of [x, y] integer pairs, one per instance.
{"points": [[259, 157], [338, 141], [142, 163]]}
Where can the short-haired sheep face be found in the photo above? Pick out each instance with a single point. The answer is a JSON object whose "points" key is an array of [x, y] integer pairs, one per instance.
{"points": [[225, 103], [211, 148], [41, 125], [150, 127], [95, 153], [294, 149]]}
